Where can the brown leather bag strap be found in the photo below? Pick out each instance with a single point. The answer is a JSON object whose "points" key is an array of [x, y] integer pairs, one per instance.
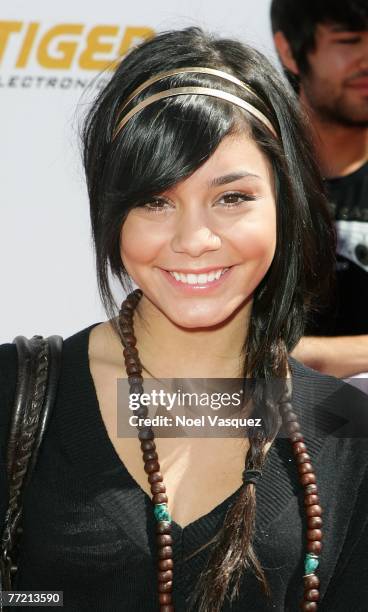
{"points": [[39, 363]]}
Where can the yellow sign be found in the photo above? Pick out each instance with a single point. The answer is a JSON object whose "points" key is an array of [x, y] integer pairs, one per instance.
{"points": [[67, 44]]}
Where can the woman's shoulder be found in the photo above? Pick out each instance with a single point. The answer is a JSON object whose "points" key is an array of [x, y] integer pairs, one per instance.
{"points": [[8, 352], [323, 389], [332, 410]]}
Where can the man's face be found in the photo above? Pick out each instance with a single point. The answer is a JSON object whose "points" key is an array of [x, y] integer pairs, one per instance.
{"points": [[336, 84]]}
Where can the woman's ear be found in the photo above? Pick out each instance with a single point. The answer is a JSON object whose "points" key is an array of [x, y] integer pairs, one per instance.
{"points": [[284, 51]]}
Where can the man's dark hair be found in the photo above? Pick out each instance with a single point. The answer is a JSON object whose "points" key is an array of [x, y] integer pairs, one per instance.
{"points": [[298, 20]]}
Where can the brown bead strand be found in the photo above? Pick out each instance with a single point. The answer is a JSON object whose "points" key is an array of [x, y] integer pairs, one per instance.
{"points": [[313, 509], [150, 457], [159, 498]]}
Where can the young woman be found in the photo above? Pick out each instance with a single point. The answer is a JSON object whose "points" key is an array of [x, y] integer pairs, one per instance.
{"points": [[204, 193]]}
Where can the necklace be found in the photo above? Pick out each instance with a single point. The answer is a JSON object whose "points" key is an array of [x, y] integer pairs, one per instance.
{"points": [[146, 437]]}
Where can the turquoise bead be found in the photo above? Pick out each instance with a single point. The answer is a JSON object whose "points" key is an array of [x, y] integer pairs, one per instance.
{"points": [[161, 513], [311, 563]]}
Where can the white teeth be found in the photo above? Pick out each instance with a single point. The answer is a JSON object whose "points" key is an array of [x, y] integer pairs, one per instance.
{"points": [[198, 279]]}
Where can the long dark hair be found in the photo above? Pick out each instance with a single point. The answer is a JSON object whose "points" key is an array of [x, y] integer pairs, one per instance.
{"points": [[168, 141]]}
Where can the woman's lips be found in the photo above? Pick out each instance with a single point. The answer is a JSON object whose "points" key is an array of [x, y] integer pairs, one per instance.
{"points": [[199, 287]]}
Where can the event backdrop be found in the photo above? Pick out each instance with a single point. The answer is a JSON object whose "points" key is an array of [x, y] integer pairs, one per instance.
{"points": [[50, 57]]}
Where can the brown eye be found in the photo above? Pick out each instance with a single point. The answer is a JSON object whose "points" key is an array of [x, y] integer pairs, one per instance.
{"points": [[231, 200], [155, 205]]}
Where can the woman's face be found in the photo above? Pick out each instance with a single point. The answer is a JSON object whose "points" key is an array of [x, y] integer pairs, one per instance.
{"points": [[199, 250]]}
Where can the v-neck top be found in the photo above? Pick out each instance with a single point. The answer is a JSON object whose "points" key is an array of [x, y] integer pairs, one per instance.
{"points": [[89, 528]]}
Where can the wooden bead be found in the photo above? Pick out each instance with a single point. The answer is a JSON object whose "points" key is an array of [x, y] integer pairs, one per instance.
{"points": [[146, 433], [163, 527], [126, 314], [302, 458], [150, 455], [132, 361], [136, 379], [290, 416], [307, 479], [285, 406], [164, 539], [304, 468], [311, 582], [312, 488], [314, 522], [129, 340], [309, 606], [127, 304], [158, 487], [130, 351], [155, 477], [292, 427], [133, 369], [165, 587], [166, 564], [141, 412], [125, 318], [165, 576], [299, 447], [165, 598], [152, 466], [314, 547], [147, 445], [314, 510], [309, 500], [160, 498], [297, 437], [136, 295], [167, 608], [126, 310], [312, 595], [136, 388], [126, 326], [314, 534], [165, 552]]}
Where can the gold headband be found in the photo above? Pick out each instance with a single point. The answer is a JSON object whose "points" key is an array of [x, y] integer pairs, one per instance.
{"points": [[179, 91]]}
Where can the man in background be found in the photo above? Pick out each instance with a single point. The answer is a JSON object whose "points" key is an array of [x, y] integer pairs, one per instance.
{"points": [[323, 47]]}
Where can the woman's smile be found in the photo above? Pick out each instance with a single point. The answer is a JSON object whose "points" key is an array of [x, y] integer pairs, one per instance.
{"points": [[199, 250], [194, 282]]}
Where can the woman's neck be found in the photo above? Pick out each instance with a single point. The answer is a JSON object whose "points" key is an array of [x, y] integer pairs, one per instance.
{"points": [[167, 350]]}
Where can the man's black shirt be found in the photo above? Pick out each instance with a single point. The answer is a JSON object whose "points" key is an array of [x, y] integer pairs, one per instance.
{"points": [[348, 315]]}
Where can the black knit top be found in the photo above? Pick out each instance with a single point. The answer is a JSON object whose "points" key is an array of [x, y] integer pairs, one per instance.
{"points": [[89, 528]]}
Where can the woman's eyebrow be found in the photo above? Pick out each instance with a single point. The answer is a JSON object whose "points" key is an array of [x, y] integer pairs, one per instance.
{"points": [[230, 178], [338, 28]]}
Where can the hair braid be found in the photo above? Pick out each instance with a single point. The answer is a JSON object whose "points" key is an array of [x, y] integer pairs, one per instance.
{"points": [[233, 551]]}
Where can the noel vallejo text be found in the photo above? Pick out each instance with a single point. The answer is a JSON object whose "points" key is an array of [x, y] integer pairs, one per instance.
{"points": [[179, 399]]}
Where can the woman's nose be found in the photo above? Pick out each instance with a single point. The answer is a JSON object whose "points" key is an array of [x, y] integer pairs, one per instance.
{"points": [[194, 234]]}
